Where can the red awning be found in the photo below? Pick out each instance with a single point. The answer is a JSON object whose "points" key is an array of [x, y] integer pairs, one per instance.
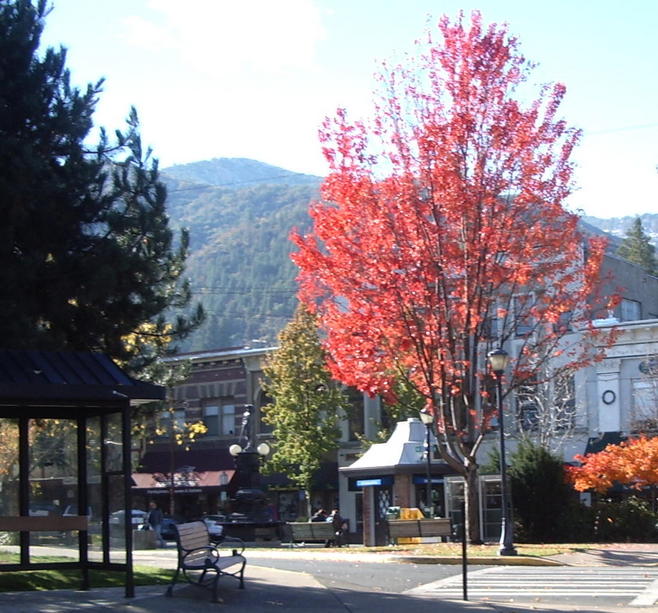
{"points": [[206, 478]]}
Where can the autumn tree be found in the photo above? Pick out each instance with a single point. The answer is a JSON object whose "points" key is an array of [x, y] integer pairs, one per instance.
{"points": [[307, 405], [442, 233], [637, 248], [633, 463], [87, 258]]}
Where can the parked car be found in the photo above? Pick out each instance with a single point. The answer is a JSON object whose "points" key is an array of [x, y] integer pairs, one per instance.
{"points": [[214, 525], [72, 510], [168, 531], [137, 519], [39, 509]]}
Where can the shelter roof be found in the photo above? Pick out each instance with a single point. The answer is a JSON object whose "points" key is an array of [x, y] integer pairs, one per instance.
{"points": [[404, 449], [68, 376]]}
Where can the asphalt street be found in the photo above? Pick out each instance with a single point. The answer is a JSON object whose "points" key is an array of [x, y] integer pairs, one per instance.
{"points": [[391, 577]]}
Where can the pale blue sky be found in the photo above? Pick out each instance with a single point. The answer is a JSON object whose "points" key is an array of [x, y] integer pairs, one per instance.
{"points": [[254, 78]]}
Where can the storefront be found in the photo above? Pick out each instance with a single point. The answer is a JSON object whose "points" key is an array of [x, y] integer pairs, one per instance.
{"points": [[395, 474]]}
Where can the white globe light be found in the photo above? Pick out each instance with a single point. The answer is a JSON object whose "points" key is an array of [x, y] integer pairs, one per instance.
{"points": [[263, 449], [235, 450]]}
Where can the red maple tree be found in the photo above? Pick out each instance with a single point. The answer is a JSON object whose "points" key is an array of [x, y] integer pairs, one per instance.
{"points": [[442, 234], [633, 463]]}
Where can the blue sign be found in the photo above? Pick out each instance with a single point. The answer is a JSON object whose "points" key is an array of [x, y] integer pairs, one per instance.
{"points": [[374, 482]]}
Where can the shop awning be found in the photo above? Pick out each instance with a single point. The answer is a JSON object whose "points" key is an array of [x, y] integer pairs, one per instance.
{"points": [[182, 480]]}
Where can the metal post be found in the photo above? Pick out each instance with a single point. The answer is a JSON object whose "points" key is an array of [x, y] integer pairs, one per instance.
{"points": [[464, 555], [506, 528], [428, 491]]}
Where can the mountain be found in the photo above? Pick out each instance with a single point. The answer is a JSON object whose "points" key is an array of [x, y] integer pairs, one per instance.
{"points": [[617, 226], [239, 214], [236, 173]]}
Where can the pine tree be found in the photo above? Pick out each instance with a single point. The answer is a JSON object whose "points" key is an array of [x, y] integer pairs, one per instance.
{"points": [[307, 404], [637, 248], [87, 259]]}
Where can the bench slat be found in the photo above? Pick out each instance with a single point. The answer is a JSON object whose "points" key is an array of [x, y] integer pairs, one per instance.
{"points": [[411, 528]]}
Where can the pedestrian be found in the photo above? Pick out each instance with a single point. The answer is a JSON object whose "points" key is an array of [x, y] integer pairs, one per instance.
{"points": [[319, 515], [338, 524], [154, 521]]}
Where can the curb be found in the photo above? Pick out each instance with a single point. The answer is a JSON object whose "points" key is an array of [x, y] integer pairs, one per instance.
{"points": [[488, 561]]}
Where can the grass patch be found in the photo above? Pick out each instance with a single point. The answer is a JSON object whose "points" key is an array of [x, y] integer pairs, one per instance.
{"points": [[473, 551], [69, 579]]}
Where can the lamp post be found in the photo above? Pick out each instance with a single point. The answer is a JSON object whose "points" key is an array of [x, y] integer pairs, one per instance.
{"points": [[498, 359], [428, 419], [247, 461]]}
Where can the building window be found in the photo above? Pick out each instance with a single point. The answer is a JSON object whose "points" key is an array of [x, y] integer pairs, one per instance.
{"points": [[210, 417], [523, 320], [630, 310], [356, 424], [170, 422], [644, 415], [527, 407], [219, 418]]}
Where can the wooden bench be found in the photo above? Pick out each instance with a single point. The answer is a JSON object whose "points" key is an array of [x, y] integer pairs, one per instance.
{"points": [[309, 532], [415, 528], [197, 557]]}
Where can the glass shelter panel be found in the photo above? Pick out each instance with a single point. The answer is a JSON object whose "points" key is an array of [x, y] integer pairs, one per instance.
{"points": [[113, 444], [8, 473], [117, 508], [53, 475], [94, 488]]}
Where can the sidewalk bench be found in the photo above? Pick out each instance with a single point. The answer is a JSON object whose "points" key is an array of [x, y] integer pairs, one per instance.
{"points": [[197, 557], [309, 532], [415, 528]]}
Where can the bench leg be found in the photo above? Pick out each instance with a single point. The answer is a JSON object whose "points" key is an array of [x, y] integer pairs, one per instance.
{"points": [[170, 589]]}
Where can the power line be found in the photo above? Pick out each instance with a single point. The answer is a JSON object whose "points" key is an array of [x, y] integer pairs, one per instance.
{"points": [[622, 129], [198, 186]]}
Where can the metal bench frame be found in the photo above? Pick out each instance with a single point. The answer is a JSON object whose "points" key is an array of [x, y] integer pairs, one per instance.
{"points": [[197, 557]]}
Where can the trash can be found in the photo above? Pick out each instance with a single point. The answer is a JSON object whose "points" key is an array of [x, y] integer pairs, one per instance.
{"points": [[143, 539]]}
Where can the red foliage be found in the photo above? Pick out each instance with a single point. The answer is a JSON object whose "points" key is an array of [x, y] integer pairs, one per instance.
{"points": [[633, 463], [436, 217]]}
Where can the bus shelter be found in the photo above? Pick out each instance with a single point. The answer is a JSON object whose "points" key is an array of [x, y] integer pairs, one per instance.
{"points": [[65, 461]]}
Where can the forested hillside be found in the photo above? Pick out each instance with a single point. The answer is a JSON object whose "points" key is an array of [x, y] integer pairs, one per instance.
{"points": [[239, 213], [239, 264]]}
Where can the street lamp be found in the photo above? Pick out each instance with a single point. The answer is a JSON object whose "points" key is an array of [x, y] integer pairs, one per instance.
{"points": [[428, 419], [498, 359]]}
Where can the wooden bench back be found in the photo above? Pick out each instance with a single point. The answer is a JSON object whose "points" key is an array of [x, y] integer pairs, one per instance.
{"points": [[193, 536], [311, 530], [409, 528]]}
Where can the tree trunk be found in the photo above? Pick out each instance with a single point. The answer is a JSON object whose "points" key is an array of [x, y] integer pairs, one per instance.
{"points": [[471, 498]]}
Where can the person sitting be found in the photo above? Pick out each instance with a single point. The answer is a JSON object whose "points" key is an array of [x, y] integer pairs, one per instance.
{"points": [[319, 515], [339, 525]]}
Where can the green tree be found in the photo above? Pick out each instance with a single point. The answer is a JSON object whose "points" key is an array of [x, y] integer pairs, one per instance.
{"points": [[637, 248], [541, 497], [87, 258], [306, 406]]}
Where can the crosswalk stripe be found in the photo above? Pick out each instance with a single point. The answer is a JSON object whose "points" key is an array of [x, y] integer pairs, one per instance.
{"points": [[640, 585]]}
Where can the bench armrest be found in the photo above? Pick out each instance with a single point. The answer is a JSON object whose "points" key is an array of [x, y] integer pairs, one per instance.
{"points": [[198, 557], [231, 542]]}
